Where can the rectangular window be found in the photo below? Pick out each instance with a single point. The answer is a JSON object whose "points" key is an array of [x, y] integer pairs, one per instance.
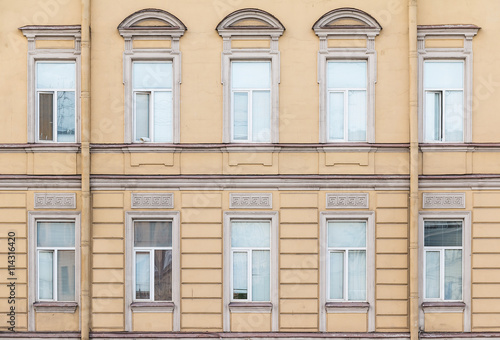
{"points": [[55, 243], [347, 260], [250, 257], [443, 253], [152, 260], [55, 98], [152, 101], [251, 101], [347, 100], [443, 101]]}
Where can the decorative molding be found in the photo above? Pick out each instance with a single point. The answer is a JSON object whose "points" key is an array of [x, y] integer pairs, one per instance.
{"points": [[152, 201], [55, 201], [250, 201], [443, 200], [347, 201]]}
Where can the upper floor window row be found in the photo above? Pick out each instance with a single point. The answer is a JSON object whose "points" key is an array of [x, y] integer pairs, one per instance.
{"points": [[251, 77]]}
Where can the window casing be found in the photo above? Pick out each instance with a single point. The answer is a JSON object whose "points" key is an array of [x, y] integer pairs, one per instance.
{"points": [[152, 264], [347, 265], [445, 260], [251, 264], [347, 76], [445, 84], [53, 85], [250, 77], [152, 77], [54, 259]]}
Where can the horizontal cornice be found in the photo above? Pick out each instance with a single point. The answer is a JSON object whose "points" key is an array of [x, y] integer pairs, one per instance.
{"points": [[35, 182]]}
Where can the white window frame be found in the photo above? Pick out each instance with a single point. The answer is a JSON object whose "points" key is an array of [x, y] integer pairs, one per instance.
{"points": [[441, 305], [130, 32], [249, 306], [38, 33], [271, 30], [345, 306], [369, 29], [50, 305], [151, 305], [464, 32]]}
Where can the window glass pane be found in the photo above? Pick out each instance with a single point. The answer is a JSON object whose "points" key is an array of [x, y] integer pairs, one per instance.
{"points": [[152, 234], [261, 116], [55, 75], [66, 275], [240, 116], [454, 116], [163, 117], [141, 115], [142, 276], [66, 116], [443, 234], [240, 276], [152, 75], [432, 116], [336, 115], [336, 275], [453, 274], [432, 278], [163, 275], [46, 116], [250, 234], [350, 74], [251, 74], [346, 234], [261, 271], [357, 275], [55, 234], [357, 115], [443, 74], [45, 275]]}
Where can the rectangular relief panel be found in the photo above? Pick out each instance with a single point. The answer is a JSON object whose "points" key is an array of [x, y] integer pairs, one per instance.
{"points": [[347, 201]]}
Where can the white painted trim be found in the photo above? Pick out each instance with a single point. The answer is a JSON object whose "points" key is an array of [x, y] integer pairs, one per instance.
{"points": [[173, 216], [33, 217], [466, 266], [274, 257], [369, 217], [464, 54]]}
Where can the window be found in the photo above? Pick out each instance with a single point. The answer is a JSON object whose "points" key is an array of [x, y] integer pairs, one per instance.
{"points": [[347, 260], [250, 76], [445, 258], [251, 265], [251, 101], [152, 76], [445, 77], [347, 265], [55, 96], [152, 265], [443, 249], [250, 255], [153, 260], [53, 84], [54, 262], [346, 82], [444, 101], [347, 75], [152, 92]]}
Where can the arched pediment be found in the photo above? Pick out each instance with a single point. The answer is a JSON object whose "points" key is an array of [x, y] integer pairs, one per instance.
{"points": [[250, 21], [152, 19], [345, 19]]}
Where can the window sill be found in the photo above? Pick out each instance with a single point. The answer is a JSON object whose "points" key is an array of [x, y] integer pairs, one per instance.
{"points": [[347, 307], [166, 306], [443, 307], [55, 307], [250, 307]]}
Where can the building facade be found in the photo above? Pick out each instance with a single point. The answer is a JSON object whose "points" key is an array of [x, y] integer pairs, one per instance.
{"points": [[249, 169]]}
